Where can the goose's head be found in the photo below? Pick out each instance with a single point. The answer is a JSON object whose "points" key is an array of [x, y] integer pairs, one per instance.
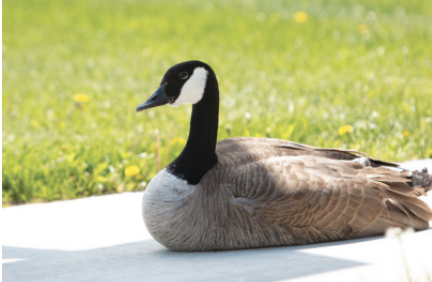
{"points": [[184, 83]]}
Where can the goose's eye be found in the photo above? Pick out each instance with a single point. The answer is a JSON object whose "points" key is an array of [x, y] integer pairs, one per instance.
{"points": [[183, 75]]}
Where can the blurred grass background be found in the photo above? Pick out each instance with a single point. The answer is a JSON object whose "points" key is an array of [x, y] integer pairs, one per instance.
{"points": [[349, 74]]}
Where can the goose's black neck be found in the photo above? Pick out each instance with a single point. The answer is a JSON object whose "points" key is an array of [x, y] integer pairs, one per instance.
{"points": [[199, 155]]}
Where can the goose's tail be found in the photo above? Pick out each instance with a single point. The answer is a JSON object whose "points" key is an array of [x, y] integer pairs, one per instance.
{"points": [[422, 178], [403, 207]]}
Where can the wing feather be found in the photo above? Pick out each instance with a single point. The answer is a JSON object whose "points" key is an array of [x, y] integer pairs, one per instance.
{"points": [[324, 193]]}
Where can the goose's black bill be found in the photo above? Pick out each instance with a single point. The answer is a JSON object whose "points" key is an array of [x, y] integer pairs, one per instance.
{"points": [[158, 98]]}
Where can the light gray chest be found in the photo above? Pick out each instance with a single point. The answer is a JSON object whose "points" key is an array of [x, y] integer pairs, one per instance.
{"points": [[166, 208]]}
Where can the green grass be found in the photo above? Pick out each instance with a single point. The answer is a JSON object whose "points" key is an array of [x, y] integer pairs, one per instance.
{"points": [[299, 81]]}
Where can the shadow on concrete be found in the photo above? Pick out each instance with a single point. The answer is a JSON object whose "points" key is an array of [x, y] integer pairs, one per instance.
{"points": [[149, 261]]}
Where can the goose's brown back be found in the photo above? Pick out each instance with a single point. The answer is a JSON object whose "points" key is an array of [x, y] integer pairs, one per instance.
{"points": [[300, 194]]}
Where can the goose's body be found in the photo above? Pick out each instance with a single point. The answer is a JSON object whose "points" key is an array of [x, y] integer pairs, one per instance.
{"points": [[257, 192]]}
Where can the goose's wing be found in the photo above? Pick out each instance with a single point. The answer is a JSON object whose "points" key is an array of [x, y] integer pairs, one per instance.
{"points": [[328, 197], [267, 147]]}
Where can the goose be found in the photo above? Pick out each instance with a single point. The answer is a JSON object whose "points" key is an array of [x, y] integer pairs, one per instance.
{"points": [[259, 192]]}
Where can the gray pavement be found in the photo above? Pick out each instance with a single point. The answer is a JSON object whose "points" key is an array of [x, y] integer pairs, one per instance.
{"points": [[104, 239]]}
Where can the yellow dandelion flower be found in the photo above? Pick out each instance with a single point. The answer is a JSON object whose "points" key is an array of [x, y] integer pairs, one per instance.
{"points": [[362, 29], [345, 129], [405, 133], [81, 98], [300, 17], [132, 170], [178, 140]]}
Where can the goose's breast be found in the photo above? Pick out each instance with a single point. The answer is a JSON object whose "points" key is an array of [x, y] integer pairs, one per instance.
{"points": [[168, 210], [192, 217]]}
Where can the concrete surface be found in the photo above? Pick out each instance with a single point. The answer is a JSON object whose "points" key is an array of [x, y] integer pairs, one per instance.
{"points": [[104, 239]]}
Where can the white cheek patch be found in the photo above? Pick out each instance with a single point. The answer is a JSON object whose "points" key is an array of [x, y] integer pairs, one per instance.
{"points": [[193, 90]]}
